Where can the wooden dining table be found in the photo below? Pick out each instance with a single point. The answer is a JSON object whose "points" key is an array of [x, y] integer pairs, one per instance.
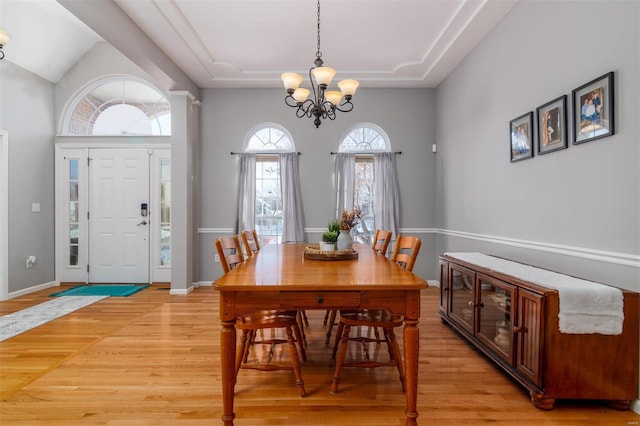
{"points": [[280, 277]]}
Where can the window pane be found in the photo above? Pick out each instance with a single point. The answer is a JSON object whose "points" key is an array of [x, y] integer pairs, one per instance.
{"points": [[268, 215], [165, 245], [165, 212], [73, 234], [364, 198], [73, 212], [73, 190], [73, 255]]}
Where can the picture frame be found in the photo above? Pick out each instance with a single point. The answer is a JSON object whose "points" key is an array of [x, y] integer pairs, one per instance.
{"points": [[593, 110], [521, 137], [551, 119]]}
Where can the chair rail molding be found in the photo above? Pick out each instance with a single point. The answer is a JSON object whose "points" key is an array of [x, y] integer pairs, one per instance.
{"points": [[618, 258]]}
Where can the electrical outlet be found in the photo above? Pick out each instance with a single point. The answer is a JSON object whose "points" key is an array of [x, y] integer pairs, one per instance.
{"points": [[216, 258]]}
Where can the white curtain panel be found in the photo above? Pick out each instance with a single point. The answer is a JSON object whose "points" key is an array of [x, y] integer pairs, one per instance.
{"points": [[345, 174], [245, 218], [386, 203], [292, 211]]}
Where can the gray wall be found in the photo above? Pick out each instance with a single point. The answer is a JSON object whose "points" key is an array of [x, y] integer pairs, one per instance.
{"points": [[100, 61], [26, 113], [228, 115], [575, 210]]}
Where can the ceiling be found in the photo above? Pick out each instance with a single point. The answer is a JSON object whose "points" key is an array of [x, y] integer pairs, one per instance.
{"points": [[249, 43]]}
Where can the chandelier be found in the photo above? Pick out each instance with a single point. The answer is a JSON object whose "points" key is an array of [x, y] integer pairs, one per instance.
{"points": [[323, 104], [4, 38]]}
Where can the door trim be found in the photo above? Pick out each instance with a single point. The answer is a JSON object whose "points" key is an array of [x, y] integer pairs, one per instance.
{"points": [[4, 215]]}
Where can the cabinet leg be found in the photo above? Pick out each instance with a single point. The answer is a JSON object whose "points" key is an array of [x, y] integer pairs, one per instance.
{"points": [[619, 405], [540, 402]]}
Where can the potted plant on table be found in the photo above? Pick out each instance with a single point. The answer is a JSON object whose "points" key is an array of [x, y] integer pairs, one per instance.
{"points": [[330, 236]]}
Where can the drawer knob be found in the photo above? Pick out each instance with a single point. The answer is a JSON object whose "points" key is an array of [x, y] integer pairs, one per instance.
{"points": [[320, 299]]}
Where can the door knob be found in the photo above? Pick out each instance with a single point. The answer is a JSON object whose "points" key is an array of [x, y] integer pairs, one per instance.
{"points": [[144, 222]]}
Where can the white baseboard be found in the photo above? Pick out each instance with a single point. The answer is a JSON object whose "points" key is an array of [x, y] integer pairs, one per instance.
{"points": [[32, 289], [182, 291], [635, 406]]}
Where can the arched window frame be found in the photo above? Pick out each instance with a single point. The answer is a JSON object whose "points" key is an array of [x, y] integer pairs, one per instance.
{"points": [[353, 130], [154, 114], [269, 146]]}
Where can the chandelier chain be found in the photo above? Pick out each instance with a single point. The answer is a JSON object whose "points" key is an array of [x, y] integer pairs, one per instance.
{"points": [[319, 53]]}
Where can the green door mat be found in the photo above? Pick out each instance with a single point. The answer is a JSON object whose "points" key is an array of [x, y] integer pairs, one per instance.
{"points": [[102, 290]]}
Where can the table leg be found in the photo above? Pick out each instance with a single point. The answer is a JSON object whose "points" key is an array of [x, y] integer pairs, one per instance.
{"points": [[228, 359], [411, 355]]}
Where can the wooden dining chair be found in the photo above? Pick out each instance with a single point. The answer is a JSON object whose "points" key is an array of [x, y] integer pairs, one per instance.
{"points": [[231, 256], [381, 241], [250, 242], [405, 251], [229, 252]]}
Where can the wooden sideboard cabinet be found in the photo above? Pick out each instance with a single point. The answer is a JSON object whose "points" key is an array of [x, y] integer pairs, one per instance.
{"points": [[515, 324]]}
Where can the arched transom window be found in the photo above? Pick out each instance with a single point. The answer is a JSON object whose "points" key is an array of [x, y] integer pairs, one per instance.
{"points": [[365, 138], [269, 137], [118, 106]]}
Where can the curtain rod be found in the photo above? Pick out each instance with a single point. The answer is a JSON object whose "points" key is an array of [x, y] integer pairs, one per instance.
{"points": [[367, 153], [262, 153]]}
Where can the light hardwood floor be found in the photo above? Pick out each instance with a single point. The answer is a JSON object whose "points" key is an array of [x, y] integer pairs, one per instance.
{"points": [[152, 359]]}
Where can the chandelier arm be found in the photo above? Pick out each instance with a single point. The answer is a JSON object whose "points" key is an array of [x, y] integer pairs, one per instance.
{"points": [[290, 98], [306, 109], [346, 107]]}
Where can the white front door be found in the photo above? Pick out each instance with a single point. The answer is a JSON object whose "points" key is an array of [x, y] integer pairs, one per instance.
{"points": [[118, 221]]}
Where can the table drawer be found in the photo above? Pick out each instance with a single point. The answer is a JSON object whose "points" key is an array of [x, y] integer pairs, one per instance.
{"points": [[319, 299]]}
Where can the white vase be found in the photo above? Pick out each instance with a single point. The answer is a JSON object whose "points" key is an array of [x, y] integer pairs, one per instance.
{"points": [[345, 241]]}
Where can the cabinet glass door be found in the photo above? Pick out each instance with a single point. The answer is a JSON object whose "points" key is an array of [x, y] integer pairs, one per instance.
{"points": [[462, 302], [496, 316]]}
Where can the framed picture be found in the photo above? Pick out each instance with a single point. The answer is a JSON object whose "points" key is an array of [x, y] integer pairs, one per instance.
{"points": [[593, 116], [552, 125], [521, 131]]}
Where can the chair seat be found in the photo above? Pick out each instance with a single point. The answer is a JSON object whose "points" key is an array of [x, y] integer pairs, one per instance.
{"points": [[370, 317]]}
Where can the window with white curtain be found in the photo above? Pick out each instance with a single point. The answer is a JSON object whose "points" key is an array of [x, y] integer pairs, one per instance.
{"points": [[267, 140], [364, 140]]}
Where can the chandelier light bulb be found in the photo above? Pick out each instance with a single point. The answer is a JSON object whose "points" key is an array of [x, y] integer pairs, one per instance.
{"points": [[323, 75], [334, 97], [348, 87], [291, 80], [301, 94]]}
